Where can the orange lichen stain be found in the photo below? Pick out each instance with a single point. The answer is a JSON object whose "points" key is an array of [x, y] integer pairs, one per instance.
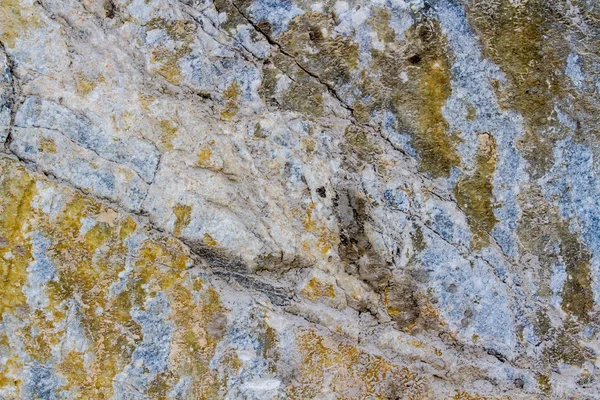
{"points": [[316, 288], [182, 218], [353, 373]]}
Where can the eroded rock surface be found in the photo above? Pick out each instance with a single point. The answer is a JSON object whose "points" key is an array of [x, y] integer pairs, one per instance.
{"points": [[306, 200]]}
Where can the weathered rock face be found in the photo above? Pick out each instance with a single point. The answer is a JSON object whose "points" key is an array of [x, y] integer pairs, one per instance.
{"points": [[264, 199]]}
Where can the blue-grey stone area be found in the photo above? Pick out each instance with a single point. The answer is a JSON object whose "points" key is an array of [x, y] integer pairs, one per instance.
{"points": [[137, 154]]}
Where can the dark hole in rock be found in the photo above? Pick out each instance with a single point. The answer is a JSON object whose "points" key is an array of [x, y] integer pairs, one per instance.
{"points": [[414, 59]]}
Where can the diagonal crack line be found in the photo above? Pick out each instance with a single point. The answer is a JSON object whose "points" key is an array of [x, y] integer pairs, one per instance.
{"points": [[331, 90], [80, 145], [272, 42], [200, 24], [493, 240]]}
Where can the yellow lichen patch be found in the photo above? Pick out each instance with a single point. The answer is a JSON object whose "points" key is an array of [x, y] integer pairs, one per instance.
{"points": [[402, 305], [380, 21], [47, 145], [128, 226], [311, 40], [360, 144], [270, 340], [168, 131], [182, 214], [204, 156], [146, 100], [196, 312], [305, 96], [309, 224], [209, 241], [166, 57], [544, 383], [300, 92], [413, 79], [526, 40], [168, 64], [232, 92], [18, 191], [97, 236], [316, 288], [431, 312], [86, 85], [360, 112], [15, 20], [10, 378], [325, 239], [92, 289], [208, 159], [577, 294], [231, 95], [87, 266], [462, 395], [71, 368], [352, 373], [471, 112], [474, 193], [309, 145]]}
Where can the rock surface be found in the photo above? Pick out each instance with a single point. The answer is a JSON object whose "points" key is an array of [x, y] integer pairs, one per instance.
{"points": [[260, 199]]}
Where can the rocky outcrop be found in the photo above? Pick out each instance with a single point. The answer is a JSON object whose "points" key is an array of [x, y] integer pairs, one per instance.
{"points": [[290, 199]]}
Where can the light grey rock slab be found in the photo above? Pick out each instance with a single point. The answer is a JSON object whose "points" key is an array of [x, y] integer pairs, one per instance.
{"points": [[139, 155], [55, 154]]}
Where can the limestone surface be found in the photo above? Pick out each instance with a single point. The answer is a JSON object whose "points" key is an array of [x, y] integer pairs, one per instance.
{"points": [[290, 199]]}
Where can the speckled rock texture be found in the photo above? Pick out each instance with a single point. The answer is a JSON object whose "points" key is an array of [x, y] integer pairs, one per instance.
{"points": [[289, 199]]}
